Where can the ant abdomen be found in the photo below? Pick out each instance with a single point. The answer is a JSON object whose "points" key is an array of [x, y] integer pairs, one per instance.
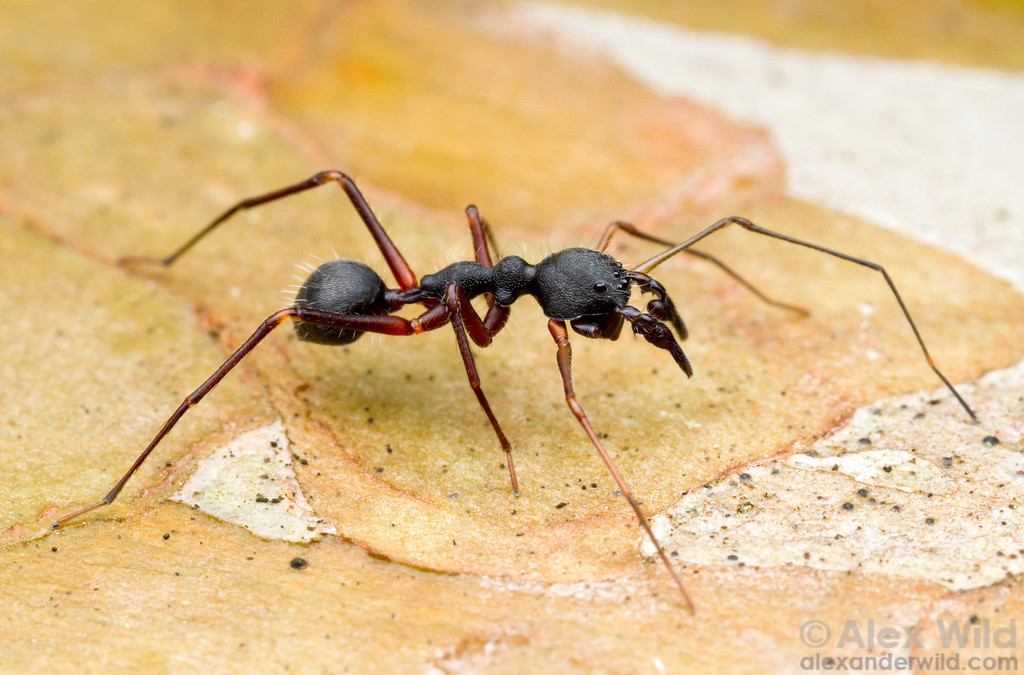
{"points": [[343, 287]]}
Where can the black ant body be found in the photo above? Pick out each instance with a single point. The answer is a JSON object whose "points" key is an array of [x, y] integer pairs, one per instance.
{"points": [[586, 288]]}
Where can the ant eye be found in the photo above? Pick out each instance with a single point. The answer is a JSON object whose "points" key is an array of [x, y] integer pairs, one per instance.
{"points": [[600, 287]]}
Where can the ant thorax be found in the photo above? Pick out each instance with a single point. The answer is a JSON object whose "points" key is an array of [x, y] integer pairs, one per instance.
{"points": [[568, 284]]}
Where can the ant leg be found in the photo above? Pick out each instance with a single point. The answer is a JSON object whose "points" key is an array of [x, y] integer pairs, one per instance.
{"points": [[648, 265], [434, 317], [482, 237], [475, 327], [629, 228], [607, 327], [454, 301], [495, 318], [399, 267], [481, 231], [561, 337]]}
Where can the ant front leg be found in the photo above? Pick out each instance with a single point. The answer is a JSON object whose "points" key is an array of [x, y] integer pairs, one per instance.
{"points": [[465, 320], [607, 327], [399, 267], [434, 317], [633, 230], [561, 337], [648, 265]]}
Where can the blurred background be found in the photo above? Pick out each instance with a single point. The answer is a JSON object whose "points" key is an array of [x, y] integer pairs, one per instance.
{"points": [[889, 131]]}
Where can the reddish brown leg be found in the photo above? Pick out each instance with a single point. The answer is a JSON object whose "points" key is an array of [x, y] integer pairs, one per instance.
{"points": [[480, 330], [495, 319], [649, 265], [434, 317], [496, 316], [629, 228], [561, 336], [465, 319], [481, 237], [399, 267], [606, 327]]}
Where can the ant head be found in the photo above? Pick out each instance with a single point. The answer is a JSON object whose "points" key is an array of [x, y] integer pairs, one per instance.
{"points": [[580, 282]]}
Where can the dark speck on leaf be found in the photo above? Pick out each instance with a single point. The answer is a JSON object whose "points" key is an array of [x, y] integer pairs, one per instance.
{"points": [[298, 563]]}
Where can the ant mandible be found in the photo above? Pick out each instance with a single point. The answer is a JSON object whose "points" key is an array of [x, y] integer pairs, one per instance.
{"points": [[586, 288]]}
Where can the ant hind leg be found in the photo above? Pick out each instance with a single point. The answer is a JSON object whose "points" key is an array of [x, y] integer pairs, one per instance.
{"points": [[386, 324], [399, 267]]}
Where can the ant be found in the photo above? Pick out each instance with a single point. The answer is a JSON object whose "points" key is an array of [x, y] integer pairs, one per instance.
{"points": [[586, 288]]}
